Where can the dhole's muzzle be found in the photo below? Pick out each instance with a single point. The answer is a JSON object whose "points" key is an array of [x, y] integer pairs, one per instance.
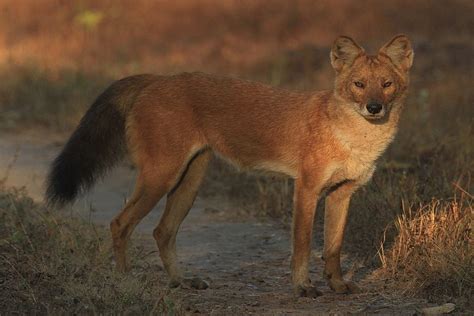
{"points": [[374, 110]]}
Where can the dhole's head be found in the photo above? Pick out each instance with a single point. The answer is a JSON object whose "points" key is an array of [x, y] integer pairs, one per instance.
{"points": [[372, 84]]}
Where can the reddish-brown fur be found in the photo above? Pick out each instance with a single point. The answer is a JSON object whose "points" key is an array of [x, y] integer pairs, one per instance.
{"points": [[326, 141]]}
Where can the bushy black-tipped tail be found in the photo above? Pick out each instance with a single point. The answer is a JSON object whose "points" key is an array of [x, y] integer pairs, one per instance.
{"points": [[96, 145]]}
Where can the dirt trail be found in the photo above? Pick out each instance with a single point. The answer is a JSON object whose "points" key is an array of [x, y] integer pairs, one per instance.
{"points": [[245, 261]]}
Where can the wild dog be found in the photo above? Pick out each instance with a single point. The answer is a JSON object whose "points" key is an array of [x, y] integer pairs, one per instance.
{"points": [[327, 141]]}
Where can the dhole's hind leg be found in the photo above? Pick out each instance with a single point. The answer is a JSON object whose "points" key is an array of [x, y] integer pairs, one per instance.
{"points": [[178, 204], [149, 189]]}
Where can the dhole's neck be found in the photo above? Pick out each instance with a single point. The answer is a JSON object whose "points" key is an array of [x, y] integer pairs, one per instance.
{"points": [[357, 134]]}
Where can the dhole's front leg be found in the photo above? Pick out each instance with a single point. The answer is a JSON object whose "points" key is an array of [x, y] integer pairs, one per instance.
{"points": [[304, 201], [336, 210]]}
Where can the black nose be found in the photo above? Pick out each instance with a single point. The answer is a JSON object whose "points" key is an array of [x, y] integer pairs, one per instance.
{"points": [[374, 107]]}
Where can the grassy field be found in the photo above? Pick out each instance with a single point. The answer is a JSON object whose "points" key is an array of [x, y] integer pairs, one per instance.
{"points": [[54, 264], [419, 203]]}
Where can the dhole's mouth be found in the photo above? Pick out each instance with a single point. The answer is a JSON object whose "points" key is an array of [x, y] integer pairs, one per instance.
{"points": [[374, 117], [369, 115]]}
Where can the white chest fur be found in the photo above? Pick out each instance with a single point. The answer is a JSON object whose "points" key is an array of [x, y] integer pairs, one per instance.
{"points": [[362, 146]]}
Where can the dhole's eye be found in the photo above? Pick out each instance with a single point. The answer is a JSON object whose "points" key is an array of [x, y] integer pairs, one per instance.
{"points": [[387, 84], [359, 84]]}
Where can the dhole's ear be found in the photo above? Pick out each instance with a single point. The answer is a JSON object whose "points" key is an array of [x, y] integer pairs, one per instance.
{"points": [[344, 51], [400, 52]]}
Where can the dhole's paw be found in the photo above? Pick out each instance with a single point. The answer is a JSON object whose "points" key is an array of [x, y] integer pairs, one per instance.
{"points": [[344, 287], [193, 283], [307, 291], [122, 268], [174, 283]]}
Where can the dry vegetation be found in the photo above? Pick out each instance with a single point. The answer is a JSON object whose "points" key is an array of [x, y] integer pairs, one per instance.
{"points": [[51, 69], [52, 264], [432, 253]]}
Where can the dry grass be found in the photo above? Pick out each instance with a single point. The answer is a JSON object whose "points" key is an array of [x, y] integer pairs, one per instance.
{"points": [[32, 96], [52, 264], [433, 252]]}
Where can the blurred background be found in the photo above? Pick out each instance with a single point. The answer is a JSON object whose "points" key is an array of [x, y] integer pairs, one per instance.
{"points": [[57, 55]]}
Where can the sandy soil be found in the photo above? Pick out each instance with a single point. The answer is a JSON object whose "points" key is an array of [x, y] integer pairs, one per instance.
{"points": [[245, 261]]}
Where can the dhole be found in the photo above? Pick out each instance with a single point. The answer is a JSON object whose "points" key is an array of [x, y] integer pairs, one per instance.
{"points": [[327, 141]]}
